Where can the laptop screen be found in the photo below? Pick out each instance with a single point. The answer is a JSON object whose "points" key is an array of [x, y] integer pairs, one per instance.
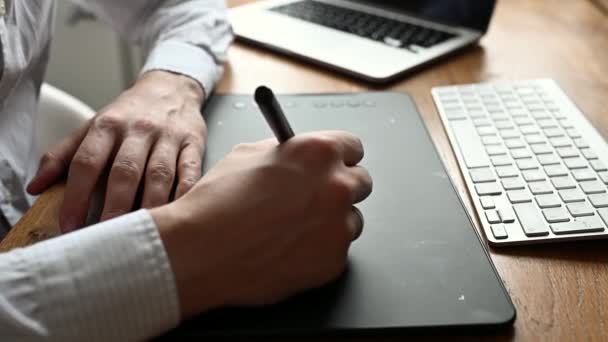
{"points": [[473, 14]]}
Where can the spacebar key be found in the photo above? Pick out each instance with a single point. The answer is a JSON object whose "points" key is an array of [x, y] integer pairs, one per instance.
{"points": [[470, 145], [530, 219]]}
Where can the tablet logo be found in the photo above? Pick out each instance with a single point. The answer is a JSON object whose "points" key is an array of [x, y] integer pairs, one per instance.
{"points": [[461, 298]]}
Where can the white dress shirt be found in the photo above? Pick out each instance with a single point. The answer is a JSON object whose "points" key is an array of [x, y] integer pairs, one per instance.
{"points": [[111, 281]]}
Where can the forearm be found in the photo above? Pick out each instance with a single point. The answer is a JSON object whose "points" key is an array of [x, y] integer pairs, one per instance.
{"points": [[112, 281]]}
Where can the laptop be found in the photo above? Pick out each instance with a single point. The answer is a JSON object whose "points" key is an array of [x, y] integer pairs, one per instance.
{"points": [[419, 264], [376, 41]]}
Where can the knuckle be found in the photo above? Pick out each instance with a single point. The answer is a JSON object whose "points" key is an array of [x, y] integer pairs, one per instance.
{"points": [[189, 164], [186, 184], [321, 147], [85, 162], [49, 157], [126, 168], [108, 122], [146, 125], [341, 189], [161, 173]]}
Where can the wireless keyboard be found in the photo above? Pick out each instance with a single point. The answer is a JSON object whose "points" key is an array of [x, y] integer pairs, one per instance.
{"points": [[534, 166]]}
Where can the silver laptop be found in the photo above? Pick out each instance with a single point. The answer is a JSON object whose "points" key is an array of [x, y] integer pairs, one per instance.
{"points": [[373, 40]]}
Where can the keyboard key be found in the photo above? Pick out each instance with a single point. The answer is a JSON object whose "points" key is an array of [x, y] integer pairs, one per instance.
{"points": [[519, 196], [563, 183], [491, 189], [592, 187], [580, 143], [556, 170], [492, 216], [599, 200], [604, 214], [504, 125], [506, 215], [540, 188], [572, 195], [575, 163], [495, 150], [491, 140], [541, 149], [533, 175], [483, 131], [598, 166], [567, 152], [581, 175], [501, 160], [579, 209], [487, 202], [520, 153], [548, 201], [499, 231], [482, 122], [506, 171], [546, 123], [535, 139], [523, 121], [573, 133], [556, 215], [579, 225], [514, 143], [471, 148], [560, 142], [589, 154], [509, 134], [548, 159], [527, 164], [604, 177], [565, 123], [553, 132], [513, 184], [530, 219], [527, 130], [483, 175]]}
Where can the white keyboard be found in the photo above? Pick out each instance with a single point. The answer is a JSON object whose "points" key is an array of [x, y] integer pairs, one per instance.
{"points": [[535, 167]]}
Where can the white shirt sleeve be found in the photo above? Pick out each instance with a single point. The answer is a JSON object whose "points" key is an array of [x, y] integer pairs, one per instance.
{"points": [[189, 37], [109, 282]]}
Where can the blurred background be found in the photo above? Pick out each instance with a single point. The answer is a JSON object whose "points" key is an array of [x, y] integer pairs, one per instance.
{"points": [[89, 60]]}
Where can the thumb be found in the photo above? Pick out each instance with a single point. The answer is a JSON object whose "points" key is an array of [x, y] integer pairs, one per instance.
{"points": [[56, 161]]}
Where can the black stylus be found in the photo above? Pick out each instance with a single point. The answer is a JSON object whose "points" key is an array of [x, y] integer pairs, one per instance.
{"points": [[270, 107]]}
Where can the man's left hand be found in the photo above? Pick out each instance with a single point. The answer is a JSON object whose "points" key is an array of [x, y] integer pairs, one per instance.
{"points": [[153, 134]]}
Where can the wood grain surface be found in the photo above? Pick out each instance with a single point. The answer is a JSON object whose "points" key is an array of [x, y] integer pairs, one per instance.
{"points": [[560, 290]]}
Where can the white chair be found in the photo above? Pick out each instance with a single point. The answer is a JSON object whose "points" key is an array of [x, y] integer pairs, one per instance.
{"points": [[59, 115]]}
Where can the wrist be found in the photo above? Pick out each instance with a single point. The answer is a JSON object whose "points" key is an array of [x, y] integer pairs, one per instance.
{"points": [[188, 88], [180, 237]]}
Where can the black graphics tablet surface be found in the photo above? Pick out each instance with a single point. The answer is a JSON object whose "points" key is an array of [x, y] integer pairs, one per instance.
{"points": [[419, 263]]}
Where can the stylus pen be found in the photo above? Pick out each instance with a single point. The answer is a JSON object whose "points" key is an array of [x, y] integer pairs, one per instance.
{"points": [[270, 107]]}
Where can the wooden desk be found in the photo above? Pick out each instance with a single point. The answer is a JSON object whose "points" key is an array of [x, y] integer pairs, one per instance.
{"points": [[560, 291]]}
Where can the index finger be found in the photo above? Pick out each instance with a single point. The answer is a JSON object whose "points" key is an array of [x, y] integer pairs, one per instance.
{"points": [[85, 169]]}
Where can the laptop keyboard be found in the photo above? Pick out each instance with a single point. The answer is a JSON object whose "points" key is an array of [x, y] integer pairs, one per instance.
{"points": [[534, 166], [398, 34]]}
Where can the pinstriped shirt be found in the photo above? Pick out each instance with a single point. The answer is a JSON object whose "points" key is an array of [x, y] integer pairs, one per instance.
{"points": [[112, 281]]}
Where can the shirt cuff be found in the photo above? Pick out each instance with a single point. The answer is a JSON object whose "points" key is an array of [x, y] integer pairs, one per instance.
{"points": [[185, 59], [109, 282]]}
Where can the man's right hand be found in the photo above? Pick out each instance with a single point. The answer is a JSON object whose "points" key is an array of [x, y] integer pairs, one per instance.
{"points": [[267, 222]]}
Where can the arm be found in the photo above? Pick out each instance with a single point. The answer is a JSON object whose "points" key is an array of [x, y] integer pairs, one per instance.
{"points": [[220, 245], [112, 281], [153, 134]]}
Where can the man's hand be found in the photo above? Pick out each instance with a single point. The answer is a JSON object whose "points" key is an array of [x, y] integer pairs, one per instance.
{"points": [[152, 134], [266, 222]]}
